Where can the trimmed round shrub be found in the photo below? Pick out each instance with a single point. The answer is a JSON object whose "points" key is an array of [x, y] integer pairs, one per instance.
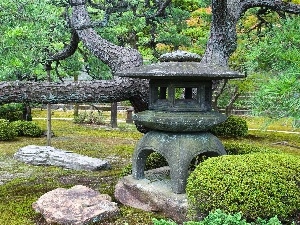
{"points": [[234, 126], [27, 128], [7, 132], [257, 185], [237, 148], [11, 112]]}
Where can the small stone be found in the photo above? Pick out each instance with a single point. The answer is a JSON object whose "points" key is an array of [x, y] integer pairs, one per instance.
{"points": [[78, 205], [49, 156]]}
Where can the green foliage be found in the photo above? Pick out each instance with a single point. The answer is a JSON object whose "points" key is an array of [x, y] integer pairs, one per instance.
{"points": [[39, 27], [154, 160], [90, 118], [150, 36], [276, 57], [188, 5], [278, 97], [11, 112], [28, 25], [218, 217], [6, 131], [27, 128], [278, 50], [257, 185], [234, 126], [238, 148], [163, 222]]}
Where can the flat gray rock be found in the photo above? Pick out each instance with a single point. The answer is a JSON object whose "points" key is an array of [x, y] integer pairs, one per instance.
{"points": [[153, 193], [49, 156], [78, 205]]}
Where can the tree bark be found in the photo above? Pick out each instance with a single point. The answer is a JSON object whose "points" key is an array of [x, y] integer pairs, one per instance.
{"points": [[69, 92]]}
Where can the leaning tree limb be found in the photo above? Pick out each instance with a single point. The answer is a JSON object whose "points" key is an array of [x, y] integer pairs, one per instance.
{"points": [[116, 57], [67, 92]]}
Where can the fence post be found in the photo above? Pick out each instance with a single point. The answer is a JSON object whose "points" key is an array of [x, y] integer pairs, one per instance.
{"points": [[114, 115]]}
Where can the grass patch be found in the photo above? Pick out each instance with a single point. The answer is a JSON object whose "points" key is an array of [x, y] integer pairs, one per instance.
{"points": [[116, 145], [262, 123]]}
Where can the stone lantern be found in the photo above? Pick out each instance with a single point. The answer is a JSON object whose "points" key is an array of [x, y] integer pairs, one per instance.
{"points": [[180, 114]]}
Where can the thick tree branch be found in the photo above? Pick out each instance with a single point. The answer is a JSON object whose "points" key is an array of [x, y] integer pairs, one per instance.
{"points": [[69, 92], [276, 5], [116, 57], [68, 50], [162, 9]]}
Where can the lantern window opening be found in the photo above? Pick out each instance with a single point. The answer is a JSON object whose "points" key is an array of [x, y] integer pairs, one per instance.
{"points": [[162, 92]]}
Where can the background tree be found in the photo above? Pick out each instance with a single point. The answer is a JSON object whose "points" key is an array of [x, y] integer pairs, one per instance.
{"points": [[221, 44], [276, 58]]}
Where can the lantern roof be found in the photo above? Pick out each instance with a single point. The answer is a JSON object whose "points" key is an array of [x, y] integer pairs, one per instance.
{"points": [[180, 65]]}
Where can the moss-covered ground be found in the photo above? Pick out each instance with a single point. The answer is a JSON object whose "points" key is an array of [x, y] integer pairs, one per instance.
{"points": [[22, 184]]}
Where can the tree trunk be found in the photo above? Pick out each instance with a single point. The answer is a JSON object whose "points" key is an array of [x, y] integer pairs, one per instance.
{"points": [[76, 105], [116, 57], [27, 112]]}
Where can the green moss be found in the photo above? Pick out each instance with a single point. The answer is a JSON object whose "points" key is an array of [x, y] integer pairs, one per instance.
{"points": [[17, 197], [258, 185]]}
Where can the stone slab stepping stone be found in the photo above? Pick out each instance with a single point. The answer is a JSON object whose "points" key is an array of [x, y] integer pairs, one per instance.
{"points": [[49, 156]]}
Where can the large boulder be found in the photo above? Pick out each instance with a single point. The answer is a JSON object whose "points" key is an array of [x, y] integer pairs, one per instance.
{"points": [[77, 206], [49, 156]]}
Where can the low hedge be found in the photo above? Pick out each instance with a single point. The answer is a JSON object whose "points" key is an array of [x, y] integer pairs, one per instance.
{"points": [[234, 126], [258, 185]]}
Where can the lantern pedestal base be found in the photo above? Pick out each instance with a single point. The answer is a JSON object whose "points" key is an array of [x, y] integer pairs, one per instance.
{"points": [[153, 193], [178, 149]]}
